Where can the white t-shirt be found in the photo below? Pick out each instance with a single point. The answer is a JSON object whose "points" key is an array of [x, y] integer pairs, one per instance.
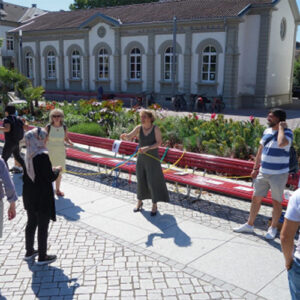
{"points": [[293, 214]]}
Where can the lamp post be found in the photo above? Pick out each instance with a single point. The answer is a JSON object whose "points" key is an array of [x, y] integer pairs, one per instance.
{"points": [[174, 56], [20, 50]]}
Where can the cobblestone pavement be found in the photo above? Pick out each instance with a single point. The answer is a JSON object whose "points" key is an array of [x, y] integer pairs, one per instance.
{"points": [[95, 265]]}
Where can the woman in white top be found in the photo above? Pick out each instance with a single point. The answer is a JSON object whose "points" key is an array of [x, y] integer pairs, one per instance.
{"points": [[57, 136]]}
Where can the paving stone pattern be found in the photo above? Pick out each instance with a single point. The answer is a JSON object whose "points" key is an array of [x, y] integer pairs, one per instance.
{"points": [[95, 265]]}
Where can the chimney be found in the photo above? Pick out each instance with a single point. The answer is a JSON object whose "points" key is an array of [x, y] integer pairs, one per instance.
{"points": [[33, 5]]}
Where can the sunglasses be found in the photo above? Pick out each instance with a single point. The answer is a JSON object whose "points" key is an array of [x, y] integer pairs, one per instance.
{"points": [[56, 116]]}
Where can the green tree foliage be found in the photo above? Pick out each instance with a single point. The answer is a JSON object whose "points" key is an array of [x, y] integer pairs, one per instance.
{"points": [[297, 72], [82, 4], [9, 80]]}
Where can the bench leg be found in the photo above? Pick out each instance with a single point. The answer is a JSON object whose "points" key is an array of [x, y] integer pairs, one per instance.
{"points": [[188, 192]]}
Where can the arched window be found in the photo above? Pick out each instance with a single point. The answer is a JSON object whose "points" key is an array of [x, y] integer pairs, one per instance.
{"points": [[209, 64], [28, 65], [168, 62], [75, 65], [135, 64], [51, 65], [103, 64]]}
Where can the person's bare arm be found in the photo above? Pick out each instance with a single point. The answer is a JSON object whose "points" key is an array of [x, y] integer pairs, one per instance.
{"points": [[5, 128], [257, 162], [282, 141], [130, 135], [287, 236], [67, 140]]}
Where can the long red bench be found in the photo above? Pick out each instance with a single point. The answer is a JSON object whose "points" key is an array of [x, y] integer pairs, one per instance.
{"points": [[223, 165], [192, 180]]}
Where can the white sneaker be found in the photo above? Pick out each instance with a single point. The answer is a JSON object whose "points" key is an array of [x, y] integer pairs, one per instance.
{"points": [[271, 234], [246, 228]]}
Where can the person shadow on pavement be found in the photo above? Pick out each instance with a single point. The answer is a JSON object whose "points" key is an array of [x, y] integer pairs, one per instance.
{"points": [[66, 208], [49, 281], [167, 224]]}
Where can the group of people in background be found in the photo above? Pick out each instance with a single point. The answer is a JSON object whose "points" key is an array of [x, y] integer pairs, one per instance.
{"points": [[45, 162]]}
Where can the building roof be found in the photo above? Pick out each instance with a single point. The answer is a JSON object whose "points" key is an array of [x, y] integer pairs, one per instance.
{"points": [[155, 12], [18, 14]]}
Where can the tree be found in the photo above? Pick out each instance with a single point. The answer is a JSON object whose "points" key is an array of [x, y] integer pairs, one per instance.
{"points": [[81, 4], [33, 94], [297, 72], [9, 80]]}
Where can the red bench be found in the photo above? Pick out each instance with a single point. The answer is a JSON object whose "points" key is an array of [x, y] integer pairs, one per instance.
{"points": [[223, 165], [190, 180]]}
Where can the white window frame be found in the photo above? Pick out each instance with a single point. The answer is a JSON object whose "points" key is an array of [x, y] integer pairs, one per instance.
{"points": [[103, 64], [168, 55], [75, 65], [29, 65], [10, 43], [51, 65], [135, 64], [209, 64]]}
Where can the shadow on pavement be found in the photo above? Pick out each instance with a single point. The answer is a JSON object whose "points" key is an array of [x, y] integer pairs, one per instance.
{"points": [[206, 207], [2, 297], [181, 239], [44, 277], [67, 209]]}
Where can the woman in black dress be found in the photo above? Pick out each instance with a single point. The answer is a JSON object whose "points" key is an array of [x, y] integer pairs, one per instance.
{"points": [[150, 179], [38, 195]]}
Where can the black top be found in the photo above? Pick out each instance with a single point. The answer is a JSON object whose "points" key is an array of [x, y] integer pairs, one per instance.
{"points": [[38, 195], [9, 135]]}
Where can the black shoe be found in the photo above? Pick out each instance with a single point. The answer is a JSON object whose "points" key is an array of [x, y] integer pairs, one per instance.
{"points": [[48, 259], [138, 208], [153, 213], [29, 256]]}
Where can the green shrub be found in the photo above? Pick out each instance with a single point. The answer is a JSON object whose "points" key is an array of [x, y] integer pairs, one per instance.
{"points": [[71, 119], [88, 128]]}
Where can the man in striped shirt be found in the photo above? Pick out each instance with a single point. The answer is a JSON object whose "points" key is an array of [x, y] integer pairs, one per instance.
{"points": [[271, 170]]}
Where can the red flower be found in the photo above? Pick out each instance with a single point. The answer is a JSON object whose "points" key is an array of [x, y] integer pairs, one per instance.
{"points": [[251, 118], [213, 116], [196, 117]]}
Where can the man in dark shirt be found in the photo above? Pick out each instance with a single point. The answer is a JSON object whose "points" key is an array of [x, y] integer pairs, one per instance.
{"points": [[11, 146]]}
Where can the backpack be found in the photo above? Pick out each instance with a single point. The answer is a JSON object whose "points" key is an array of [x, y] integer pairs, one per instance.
{"points": [[294, 163], [17, 130]]}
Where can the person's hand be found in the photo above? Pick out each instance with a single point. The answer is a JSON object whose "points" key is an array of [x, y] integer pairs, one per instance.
{"points": [[123, 136], [58, 168], [254, 173], [144, 149], [283, 125], [11, 211], [289, 265]]}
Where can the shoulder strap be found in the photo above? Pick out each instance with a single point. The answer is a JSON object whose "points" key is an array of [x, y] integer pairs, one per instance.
{"points": [[269, 139], [48, 128]]}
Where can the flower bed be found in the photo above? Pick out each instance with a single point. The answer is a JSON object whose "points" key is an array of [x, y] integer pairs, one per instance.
{"points": [[217, 136]]}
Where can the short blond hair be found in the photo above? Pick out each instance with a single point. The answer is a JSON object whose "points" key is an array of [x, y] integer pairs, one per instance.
{"points": [[56, 111], [149, 114]]}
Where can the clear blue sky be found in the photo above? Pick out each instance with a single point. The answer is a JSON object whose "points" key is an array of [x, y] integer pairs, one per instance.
{"points": [[45, 4], [64, 4]]}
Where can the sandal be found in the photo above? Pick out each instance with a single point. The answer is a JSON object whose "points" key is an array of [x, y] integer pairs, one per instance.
{"points": [[59, 193], [138, 208]]}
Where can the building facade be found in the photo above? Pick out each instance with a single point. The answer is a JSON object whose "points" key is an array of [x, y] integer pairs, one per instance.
{"points": [[240, 49], [11, 17]]}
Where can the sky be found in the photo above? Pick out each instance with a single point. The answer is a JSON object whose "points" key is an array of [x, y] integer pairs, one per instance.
{"points": [[53, 5]]}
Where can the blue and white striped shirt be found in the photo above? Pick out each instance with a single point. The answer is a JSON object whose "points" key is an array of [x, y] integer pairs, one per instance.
{"points": [[275, 160]]}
